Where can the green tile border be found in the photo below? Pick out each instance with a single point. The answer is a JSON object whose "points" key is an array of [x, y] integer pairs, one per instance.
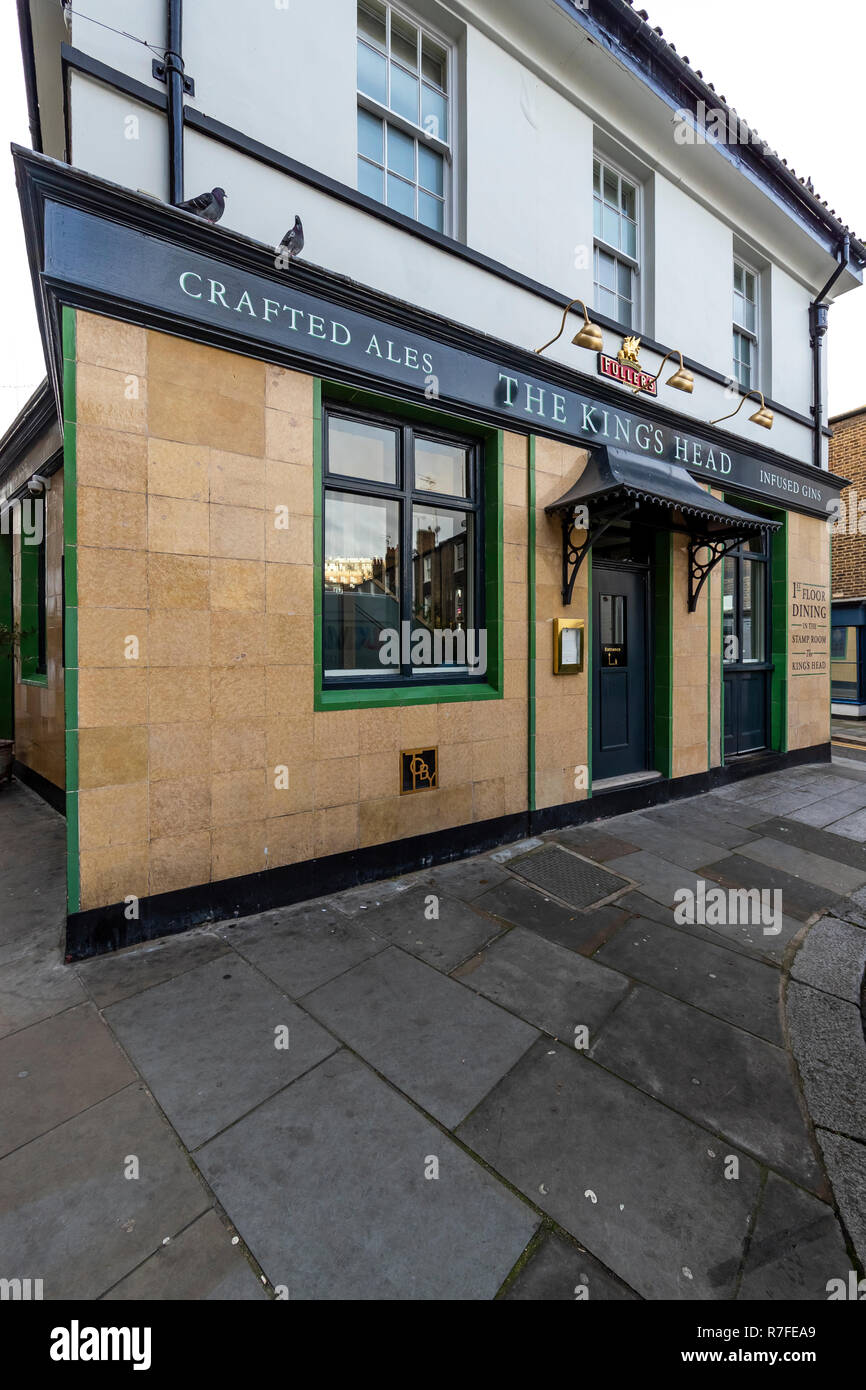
{"points": [[779, 617], [532, 609], [388, 697], [70, 615]]}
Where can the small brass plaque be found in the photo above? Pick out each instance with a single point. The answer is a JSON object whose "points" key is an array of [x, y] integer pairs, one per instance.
{"points": [[567, 646], [419, 770]]}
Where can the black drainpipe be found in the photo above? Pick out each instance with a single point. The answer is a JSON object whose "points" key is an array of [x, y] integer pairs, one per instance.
{"points": [[175, 83], [818, 315]]}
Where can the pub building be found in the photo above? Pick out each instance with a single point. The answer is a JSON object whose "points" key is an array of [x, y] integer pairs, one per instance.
{"points": [[503, 506]]}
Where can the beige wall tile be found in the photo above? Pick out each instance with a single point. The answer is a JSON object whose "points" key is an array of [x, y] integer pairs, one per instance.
{"points": [[179, 807], [179, 639], [110, 343], [111, 697], [179, 696], [238, 797], [178, 581], [113, 816], [238, 850], [111, 578], [237, 480], [286, 390], [177, 526], [180, 861], [179, 750], [111, 757], [178, 470], [110, 459], [237, 533], [111, 400], [104, 637], [110, 875], [336, 782], [239, 693], [238, 745], [291, 839], [111, 520], [237, 586]]}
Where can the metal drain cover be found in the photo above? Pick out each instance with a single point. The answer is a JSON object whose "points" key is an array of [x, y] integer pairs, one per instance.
{"points": [[574, 881]]}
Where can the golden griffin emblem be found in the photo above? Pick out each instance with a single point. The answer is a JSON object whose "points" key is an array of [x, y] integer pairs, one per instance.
{"points": [[628, 353]]}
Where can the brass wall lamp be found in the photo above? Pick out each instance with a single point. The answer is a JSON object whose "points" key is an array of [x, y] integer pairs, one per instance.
{"points": [[682, 379], [763, 416], [590, 335]]}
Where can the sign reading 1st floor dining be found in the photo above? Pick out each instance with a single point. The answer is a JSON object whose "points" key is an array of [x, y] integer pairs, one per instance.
{"points": [[89, 251]]}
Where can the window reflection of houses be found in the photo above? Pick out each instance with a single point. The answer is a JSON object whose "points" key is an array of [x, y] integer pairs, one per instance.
{"points": [[439, 579]]}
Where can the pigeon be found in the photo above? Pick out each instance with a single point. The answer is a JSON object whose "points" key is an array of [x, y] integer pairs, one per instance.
{"points": [[293, 242], [209, 206]]}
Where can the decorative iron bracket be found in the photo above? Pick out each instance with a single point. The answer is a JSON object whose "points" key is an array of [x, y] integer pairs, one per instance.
{"points": [[573, 555], [700, 572]]}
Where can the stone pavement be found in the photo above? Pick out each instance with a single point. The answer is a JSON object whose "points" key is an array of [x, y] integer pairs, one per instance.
{"points": [[454, 1085]]}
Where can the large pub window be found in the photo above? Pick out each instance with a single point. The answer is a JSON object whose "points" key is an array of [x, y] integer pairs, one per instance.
{"points": [[402, 552]]}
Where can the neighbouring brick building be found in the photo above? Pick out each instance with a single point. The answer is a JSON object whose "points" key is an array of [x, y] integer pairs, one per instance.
{"points": [[848, 639]]}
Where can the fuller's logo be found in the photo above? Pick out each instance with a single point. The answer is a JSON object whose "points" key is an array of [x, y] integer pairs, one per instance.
{"points": [[626, 368]]}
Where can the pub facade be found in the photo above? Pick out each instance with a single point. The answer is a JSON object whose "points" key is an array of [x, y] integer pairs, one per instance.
{"points": [[503, 506]]}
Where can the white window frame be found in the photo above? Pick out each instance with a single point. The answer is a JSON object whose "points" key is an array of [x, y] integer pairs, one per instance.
{"points": [[635, 262], [753, 334], [446, 148]]}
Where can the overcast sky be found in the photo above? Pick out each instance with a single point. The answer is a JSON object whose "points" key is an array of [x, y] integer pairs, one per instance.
{"points": [[793, 70]]}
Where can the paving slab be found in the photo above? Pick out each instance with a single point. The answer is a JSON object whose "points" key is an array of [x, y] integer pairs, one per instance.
{"points": [[547, 985], [432, 1037], [54, 1069], [466, 878], [726, 1079], [852, 826], [727, 984], [118, 974], [205, 1043], [639, 1186], [796, 1247], [559, 1271], [598, 844], [821, 814], [695, 819], [35, 984], [738, 813], [745, 937], [200, 1265], [833, 958], [71, 1216], [517, 904], [799, 898], [673, 843], [303, 947], [836, 848], [437, 929], [801, 863], [327, 1185], [827, 1038], [658, 878], [846, 1165], [776, 801]]}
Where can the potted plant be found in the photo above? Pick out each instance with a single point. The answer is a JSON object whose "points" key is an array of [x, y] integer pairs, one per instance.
{"points": [[9, 639]]}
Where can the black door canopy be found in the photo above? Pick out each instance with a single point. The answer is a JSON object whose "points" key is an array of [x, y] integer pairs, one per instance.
{"points": [[616, 485]]}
